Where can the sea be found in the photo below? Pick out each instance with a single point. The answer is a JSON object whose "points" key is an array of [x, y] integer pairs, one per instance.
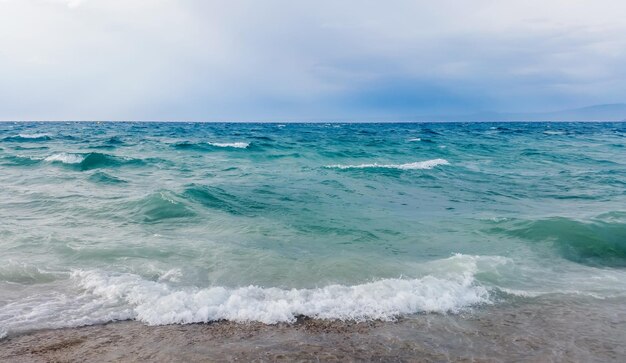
{"points": [[178, 223]]}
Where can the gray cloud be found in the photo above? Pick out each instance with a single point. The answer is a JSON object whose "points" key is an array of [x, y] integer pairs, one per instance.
{"points": [[240, 60]]}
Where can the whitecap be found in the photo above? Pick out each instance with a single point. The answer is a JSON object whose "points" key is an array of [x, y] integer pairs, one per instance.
{"points": [[415, 139], [33, 136], [66, 158], [427, 164], [238, 145]]}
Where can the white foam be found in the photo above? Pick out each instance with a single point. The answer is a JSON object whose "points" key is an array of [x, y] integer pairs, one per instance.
{"points": [[238, 145], [155, 303], [415, 139], [66, 158], [54, 310], [33, 136], [97, 296], [428, 164]]}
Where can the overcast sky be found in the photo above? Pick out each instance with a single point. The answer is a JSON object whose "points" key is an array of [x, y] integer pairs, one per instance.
{"points": [[306, 60]]}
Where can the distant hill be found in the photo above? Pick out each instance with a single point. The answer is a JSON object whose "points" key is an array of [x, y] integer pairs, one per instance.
{"points": [[608, 112]]}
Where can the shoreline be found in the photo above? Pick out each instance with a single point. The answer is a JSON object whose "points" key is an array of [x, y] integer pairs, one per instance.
{"points": [[544, 330]]}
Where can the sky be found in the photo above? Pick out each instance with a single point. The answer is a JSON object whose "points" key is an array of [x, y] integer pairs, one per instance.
{"points": [[251, 60]]}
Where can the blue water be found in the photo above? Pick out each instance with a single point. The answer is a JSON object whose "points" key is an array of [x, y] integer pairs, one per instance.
{"points": [[194, 222]]}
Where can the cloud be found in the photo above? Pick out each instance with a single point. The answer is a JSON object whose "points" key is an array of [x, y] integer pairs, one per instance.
{"points": [[73, 3], [69, 3], [240, 60]]}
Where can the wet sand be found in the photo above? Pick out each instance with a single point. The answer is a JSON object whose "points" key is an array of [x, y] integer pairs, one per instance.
{"points": [[584, 330]]}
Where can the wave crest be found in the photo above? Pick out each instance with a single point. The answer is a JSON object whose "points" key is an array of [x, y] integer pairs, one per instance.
{"points": [[156, 303], [427, 164], [28, 137], [90, 161], [66, 158], [219, 199], [207, 146], [237, 145], [596, 242], [159, 206]]}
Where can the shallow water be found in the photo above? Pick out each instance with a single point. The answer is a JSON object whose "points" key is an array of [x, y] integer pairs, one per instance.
{"points": [[179, 223], [547, 329]]}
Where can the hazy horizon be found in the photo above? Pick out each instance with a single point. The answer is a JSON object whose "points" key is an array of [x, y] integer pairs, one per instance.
{"points": [[479, 116]]}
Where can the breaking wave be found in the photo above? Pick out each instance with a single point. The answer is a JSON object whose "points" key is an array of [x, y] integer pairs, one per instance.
{"points": [[102, 296], [156, 303], [237, 145], [428, 164], [207, 146], [90, 161], [66, 158], [28, 137]]}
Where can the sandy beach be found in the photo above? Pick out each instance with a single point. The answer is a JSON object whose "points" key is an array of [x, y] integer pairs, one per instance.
{"points": [[590, 331]]}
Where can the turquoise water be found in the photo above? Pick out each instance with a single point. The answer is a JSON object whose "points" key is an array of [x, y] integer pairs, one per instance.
{"points": [[178, 223]]}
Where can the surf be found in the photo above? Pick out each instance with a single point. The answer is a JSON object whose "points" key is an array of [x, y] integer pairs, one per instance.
{"points": [[418, 165]]}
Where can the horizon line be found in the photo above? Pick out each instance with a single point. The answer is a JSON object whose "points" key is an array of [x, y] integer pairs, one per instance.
{"points": [[320, 121]]}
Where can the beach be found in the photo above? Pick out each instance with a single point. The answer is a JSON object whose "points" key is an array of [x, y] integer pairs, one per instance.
{"points": [[544, 331]]}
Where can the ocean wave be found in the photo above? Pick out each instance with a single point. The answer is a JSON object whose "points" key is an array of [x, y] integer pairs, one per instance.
{"points": [[186, 145], [208, 146], [451, 285], [19, 160], [23, 273], [596, 242], [115, 140], [111, 143], [237, 145], [219, 199], [28, 137], [104, 178], [428, 164], [159, 206], [20, 148], [34, 136], [88, 161], [102, 296], [66, 158], [156, 303]]}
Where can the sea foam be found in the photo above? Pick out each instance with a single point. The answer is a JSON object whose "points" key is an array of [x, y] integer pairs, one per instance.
{"points": [[101, 296], [34, 136], [428, 164], [93, 160], [156, 303], [66, 158], [28, 137], [238, 145]]}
